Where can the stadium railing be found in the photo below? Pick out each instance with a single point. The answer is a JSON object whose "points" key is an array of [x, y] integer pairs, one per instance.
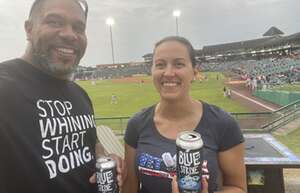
{"points": [[268, 121], [287, 114], [260, 122]]}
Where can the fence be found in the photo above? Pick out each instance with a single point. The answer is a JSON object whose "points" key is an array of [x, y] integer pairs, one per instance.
{"points": [[249, 122], [278, 97]]}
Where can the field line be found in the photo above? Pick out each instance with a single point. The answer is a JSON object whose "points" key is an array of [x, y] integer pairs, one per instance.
{"points": [[254, 101]]}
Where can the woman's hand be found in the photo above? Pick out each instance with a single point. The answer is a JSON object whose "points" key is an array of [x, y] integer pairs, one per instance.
{"points": [[203, 182]]}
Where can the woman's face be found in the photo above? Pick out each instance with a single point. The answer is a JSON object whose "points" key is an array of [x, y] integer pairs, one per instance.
{"points": [[172, 70]]}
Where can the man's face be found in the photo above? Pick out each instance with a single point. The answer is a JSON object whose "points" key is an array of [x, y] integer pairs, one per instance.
{"points": [[57, 37]]}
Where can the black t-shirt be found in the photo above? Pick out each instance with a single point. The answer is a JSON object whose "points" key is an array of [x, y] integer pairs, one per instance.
{"points": [[47, 133], [155, 154]]}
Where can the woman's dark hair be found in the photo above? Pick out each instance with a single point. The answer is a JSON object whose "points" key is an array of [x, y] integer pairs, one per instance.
{"points": [[181, 40], [38, 4]]}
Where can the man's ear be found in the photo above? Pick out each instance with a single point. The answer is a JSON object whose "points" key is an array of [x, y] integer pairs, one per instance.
{"points": [[28, 29]]}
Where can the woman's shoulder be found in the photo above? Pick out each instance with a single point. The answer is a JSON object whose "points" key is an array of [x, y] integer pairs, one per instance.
{"points": [[143, 115], [214, 111], [136, 124], [225, 128]]}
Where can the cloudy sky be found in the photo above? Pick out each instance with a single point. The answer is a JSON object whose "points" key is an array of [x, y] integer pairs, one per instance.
{"points": [[140, 23]]}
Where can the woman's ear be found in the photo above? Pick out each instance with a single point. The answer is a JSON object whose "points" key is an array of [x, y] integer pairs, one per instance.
{"points": [[196, 72]]}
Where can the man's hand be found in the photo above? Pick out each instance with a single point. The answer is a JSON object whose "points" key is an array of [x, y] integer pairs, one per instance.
{"points": [[176, 190], [121, 171]]}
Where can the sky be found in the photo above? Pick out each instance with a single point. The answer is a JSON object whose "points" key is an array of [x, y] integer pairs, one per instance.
{"points": [[141, 23]]}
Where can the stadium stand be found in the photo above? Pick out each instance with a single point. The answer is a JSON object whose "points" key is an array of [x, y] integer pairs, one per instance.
{"points": [[273, 58]]}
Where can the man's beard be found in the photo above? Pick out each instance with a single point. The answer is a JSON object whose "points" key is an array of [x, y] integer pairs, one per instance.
{"points": [[43, 61]]}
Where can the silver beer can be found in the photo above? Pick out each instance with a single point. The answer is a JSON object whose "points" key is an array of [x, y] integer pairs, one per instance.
{"points": [[106, 175], [189, 147]]}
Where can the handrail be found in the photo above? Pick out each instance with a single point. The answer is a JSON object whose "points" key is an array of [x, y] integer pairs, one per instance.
{"points": [[232, 113], [289, 113], [283, 120], [287, 106], [274, 119], [256, 113], [116, 117]]}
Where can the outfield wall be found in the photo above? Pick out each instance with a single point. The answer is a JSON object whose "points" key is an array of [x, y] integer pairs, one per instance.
{"points": [[278, 97]]}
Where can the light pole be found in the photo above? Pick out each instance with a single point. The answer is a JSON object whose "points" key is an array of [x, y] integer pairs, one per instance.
{"points": [[176, 14], [110, 22]]}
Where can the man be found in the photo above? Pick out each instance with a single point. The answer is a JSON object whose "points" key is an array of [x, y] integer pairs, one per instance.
{"points": [[47, 129]]}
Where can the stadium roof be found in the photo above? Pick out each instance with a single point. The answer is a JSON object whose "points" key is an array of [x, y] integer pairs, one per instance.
{"points": [[261, 43], [273, 31], [236, 46], [248, 45], [147, 55]]}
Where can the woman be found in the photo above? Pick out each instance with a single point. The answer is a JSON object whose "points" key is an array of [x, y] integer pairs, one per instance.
{"points": [[150, 136]]}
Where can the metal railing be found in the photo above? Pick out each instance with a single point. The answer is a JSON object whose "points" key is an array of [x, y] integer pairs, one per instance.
{"points": [[287, 114], [268, 121], [249, 122]]}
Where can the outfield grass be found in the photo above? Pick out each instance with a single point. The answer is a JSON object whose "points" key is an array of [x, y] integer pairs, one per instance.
{"points": [[291, 141], [132, 97]]}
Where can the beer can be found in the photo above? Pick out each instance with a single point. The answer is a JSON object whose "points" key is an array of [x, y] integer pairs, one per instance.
{"points": [[189, 159], [106, 175]]}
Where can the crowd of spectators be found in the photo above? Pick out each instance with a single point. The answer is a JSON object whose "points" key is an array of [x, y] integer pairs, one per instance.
{"points": [[261, 73]]}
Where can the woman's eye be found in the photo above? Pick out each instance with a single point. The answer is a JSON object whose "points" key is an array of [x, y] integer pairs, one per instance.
{"points": [[159, 65], [179, 64]]}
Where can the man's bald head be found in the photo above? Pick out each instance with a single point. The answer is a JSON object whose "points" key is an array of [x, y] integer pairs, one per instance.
{"points": [[37, 7]]}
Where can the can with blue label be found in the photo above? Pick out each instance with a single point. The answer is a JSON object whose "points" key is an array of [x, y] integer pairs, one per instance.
{"points": [[106, 175], [189, 159]]}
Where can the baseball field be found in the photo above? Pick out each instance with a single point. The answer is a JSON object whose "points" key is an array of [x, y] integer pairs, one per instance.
{"points": [[134, 93]]}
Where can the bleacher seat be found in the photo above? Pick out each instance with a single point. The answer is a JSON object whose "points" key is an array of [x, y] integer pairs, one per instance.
{"points": [[110, 141]]}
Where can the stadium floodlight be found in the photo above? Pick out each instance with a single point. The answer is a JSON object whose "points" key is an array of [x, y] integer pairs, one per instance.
{"points": [[110, 22], [176, 14]]}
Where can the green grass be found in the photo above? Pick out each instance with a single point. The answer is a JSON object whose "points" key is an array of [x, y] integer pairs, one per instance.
{"points": [[288, 87], [291, 141], [132, 97]]}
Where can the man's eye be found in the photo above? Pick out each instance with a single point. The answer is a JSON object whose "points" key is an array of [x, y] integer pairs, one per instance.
{"points": [[55, 23], [79, 28]]}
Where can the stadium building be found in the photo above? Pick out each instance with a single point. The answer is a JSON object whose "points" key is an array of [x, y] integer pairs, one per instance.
{"points": [[273, 56], [120, 70]]}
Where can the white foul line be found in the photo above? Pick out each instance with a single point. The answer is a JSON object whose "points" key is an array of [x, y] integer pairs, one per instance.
{"points": [[269, 108]]}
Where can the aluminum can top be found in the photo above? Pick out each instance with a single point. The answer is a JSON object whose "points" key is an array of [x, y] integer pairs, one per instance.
{"points": [[105, 163], [189, 140]]}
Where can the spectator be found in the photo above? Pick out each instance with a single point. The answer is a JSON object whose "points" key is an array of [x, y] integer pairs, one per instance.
{"points": [[151, 133], [48, 136]]}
